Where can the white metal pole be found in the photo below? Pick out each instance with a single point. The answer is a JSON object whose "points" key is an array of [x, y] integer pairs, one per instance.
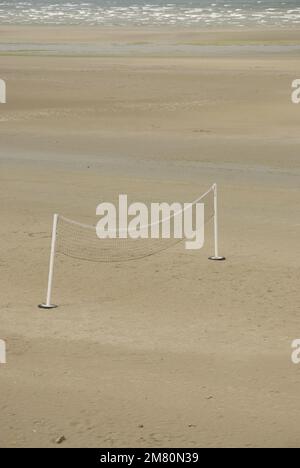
{"points": [[216, 220], [48, 304], [216, 227]]}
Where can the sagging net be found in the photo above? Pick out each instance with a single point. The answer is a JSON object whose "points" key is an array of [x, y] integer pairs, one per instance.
{"points": [[80, 241]]}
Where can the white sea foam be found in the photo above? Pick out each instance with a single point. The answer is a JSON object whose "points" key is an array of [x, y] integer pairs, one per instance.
{"points": [[123, 12]]}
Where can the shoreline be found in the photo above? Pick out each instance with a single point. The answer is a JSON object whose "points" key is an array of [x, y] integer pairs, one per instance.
{"points": [[205, 36], [93, 41]]}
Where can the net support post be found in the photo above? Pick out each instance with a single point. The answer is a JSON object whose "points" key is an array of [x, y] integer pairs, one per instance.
{"points": [[216, 256], [48, 304]]}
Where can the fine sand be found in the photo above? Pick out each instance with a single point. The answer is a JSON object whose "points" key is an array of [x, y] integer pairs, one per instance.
{"points": [[172, 350]]}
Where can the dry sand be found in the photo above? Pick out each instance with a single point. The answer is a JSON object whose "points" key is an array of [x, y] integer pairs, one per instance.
{"points": [[173, 350]]}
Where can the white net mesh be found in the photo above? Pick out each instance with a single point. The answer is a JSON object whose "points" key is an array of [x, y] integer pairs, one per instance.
{"points": [[78, 240]]}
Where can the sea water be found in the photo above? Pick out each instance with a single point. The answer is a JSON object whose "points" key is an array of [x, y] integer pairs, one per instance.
{"points": [[188, 13]]}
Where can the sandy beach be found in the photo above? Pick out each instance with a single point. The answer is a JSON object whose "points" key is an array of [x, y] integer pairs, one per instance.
{"points": [[172, 350]]}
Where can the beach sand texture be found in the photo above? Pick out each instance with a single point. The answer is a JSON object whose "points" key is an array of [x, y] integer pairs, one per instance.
{"points": [[172, 350]]}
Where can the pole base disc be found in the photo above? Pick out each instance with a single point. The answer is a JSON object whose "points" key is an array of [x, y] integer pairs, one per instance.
{"points": [[218, 259], [45, 306]]}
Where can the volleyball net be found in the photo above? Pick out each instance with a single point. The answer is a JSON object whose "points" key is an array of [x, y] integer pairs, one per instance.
{"points": [[80, 241]]}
